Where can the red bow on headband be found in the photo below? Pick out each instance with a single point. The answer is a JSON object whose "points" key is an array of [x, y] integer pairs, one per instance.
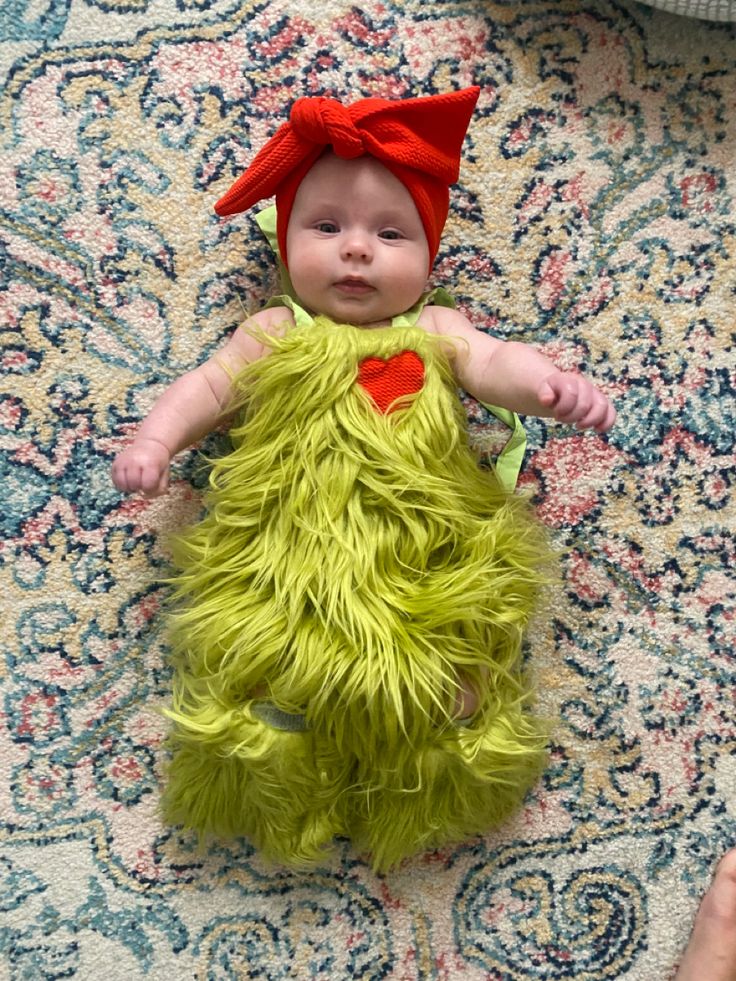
{"points": [[418, 140]]}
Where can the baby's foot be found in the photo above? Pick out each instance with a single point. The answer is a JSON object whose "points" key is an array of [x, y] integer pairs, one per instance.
{"points": [[711, 951]]}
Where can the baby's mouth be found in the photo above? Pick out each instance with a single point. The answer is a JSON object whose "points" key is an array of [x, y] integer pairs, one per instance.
{"points": [[353, 284]]}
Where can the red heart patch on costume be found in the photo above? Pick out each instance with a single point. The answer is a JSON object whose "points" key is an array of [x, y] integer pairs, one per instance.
{"points": [[386, 381]]}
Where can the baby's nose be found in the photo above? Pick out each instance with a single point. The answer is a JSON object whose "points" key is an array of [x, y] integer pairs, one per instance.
{"points": [[357, 246]]}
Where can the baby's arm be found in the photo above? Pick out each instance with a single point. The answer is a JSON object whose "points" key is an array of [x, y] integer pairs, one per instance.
{"points": [[518, 377], [191, 407]]}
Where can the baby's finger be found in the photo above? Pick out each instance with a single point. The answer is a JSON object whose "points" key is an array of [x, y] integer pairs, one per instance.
{"points": [[608, 421], [596, 414], [134, 473], [566, 401], [118, 474], [584, 404], [123, 479], [149, 480], [163, 484]]}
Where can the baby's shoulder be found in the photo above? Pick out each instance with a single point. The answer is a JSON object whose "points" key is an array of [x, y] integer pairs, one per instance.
{"points": [[272, 320], [250, 341], [445, 321]]}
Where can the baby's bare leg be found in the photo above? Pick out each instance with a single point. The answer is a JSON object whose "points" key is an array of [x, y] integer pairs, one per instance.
{"points": [[467, 698], [711, 951]]}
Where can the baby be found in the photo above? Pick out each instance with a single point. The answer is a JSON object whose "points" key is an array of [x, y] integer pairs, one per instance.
{"points": [[361, 196]]}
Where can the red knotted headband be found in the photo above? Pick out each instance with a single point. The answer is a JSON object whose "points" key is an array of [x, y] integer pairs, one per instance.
{"points": [[418, 140]]}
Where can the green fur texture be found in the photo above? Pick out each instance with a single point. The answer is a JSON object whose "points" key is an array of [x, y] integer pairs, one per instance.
{"points": [[353, 567]]}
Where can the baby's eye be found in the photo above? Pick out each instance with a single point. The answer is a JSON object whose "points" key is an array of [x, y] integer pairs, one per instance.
{"points": [[390, 233], [329, 227]]}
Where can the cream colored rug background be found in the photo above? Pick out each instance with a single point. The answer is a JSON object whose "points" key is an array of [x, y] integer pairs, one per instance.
{"points": [[594, 218]]}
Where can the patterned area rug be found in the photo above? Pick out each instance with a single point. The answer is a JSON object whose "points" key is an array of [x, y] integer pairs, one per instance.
{"points": [[595, 219]]}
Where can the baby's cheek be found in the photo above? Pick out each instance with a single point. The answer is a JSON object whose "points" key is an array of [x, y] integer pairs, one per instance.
{"points": [[406, 289], [309, 272]]}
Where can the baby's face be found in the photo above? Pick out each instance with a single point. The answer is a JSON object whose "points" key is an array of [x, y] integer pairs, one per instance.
{"points": [[355, 244]]}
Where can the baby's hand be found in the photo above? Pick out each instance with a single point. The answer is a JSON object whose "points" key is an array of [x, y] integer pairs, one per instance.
{"points": [[573, 399], [143, 466]]}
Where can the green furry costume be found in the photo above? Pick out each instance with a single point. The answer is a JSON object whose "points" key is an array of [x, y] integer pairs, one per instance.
{"points": [[351, 567]]}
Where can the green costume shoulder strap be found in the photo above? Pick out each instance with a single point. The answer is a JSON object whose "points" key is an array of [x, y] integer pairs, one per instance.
{"points": [[301, 317], [266, 221], [509, 460], [438, 297]]}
